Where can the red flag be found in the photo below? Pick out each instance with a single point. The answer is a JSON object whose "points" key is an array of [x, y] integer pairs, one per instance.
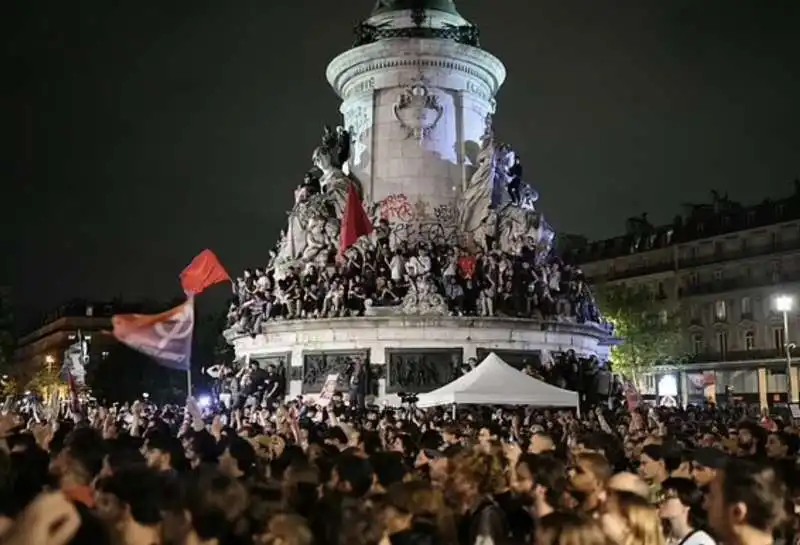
{"points": [[166, 337], [204, 271], [355, 223]]}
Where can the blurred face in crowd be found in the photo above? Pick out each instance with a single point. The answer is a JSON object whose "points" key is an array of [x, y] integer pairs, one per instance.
{"points": [[438, 469], [745, 439], [541, 443], [702, 475], [650, 469], [671, 508], [485, 438], [581, 477], [523, 482], [775, 447], [109, 509], [715, 504], [156, 458]]}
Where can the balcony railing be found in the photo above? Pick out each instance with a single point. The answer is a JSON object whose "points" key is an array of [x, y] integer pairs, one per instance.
{"points": [[733, 284], [634, 272], [688, 263], [738, 355], [742, 253]]}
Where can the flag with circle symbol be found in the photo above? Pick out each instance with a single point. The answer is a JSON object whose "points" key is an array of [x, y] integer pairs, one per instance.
{"points": [[165, 337]]}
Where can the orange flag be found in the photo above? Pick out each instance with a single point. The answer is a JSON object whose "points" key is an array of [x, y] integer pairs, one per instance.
{"points": [[204, 271], [355, 223], [166, 337]]}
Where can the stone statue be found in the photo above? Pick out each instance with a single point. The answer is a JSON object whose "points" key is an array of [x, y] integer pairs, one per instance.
{"points": [[496, 207], [424, 299], [313, 223], [476, 201]]}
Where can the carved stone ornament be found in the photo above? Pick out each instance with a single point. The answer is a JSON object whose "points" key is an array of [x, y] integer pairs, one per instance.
{"points": [[418, 110], [422, 300]]}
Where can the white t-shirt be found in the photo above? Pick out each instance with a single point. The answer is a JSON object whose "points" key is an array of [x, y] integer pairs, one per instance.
{"points": [[698, 537]]}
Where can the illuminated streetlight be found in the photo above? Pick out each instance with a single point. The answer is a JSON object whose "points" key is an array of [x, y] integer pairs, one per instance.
{"points": [[784, 304], [49, 359]]}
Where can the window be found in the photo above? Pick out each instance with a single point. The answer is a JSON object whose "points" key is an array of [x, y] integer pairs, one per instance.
{"points": [[747, 307], [694, 279], [749, 340], [718, 275], [719, 247], [698, 344], [776, 382], [694, 312], [720, 311], [778, 339], [722, 342]]}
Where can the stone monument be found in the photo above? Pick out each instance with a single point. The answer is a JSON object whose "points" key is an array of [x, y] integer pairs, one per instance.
{"points": [[418, 94]]}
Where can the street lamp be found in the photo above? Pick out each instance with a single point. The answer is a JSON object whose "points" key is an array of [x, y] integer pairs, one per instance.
{"points": [[784, 304]]}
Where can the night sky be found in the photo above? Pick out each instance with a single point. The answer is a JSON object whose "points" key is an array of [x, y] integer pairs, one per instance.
{"points": [[135, 134]]}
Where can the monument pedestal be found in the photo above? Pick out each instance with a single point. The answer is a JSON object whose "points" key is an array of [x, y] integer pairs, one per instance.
{"points": [[407, 353]]}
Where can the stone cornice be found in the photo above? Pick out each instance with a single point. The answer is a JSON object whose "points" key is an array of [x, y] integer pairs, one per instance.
{"points": [[415, 52], [403, 321]]}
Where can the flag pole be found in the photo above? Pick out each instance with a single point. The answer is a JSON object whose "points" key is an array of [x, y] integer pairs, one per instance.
{"points": [[189, 382]]}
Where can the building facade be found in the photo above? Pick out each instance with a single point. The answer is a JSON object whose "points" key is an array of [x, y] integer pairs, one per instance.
{"points": [[724, 264], [39, 354]]}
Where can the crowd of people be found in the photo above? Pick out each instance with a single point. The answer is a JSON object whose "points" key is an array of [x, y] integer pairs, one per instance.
{"points": [[382, 275], [300, 473]]}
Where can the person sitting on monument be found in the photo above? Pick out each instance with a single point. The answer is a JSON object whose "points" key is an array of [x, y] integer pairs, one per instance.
{"points": [[455, 296], [356, 297], [387, 296], [487, 295], [514, 180]]}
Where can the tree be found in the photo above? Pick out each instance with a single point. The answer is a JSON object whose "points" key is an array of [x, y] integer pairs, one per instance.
{"points": [[649, 327]]}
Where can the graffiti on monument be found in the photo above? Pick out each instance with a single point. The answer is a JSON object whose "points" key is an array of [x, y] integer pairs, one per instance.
{"points": [[318, 365], [445, 214], [518, 359], [421, 370], [396, 208]]}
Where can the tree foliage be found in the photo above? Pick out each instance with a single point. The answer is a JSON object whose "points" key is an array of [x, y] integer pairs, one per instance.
{"points": [[649, 327]]}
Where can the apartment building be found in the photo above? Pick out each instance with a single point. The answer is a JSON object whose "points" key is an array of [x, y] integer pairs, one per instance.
{"points": [[725, 264]]}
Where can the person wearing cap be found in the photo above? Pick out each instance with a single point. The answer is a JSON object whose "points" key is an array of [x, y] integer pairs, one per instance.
{"points": [[707, 462], [438, 462]]}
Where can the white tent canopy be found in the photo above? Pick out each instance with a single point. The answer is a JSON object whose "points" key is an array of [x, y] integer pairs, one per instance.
{"points": [[494, 382]]}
